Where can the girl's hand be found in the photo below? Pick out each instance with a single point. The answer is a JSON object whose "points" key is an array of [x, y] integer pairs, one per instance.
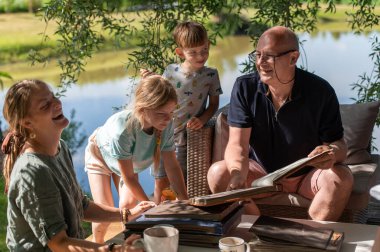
{"points": [[142, 207], [128, 247]]}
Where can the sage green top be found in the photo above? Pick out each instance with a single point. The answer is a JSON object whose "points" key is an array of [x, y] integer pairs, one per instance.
{"points": [[44, 198]]}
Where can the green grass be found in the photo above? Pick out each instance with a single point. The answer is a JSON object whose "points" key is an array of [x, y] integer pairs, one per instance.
{"points": [[22, 32]]}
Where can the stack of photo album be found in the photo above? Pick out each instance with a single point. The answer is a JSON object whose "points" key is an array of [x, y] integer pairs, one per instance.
{"points": [[203, 220], [198, 226]]}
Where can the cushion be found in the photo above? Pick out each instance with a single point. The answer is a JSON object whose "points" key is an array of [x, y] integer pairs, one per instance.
{"points": [[363, 175], [220, 138], [358, 122]]}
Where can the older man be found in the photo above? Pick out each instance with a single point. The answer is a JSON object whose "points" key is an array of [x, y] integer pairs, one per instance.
{"points": [[278, 115]]}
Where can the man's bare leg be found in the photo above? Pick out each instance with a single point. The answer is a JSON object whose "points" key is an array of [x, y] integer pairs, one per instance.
{"points": [[335, 186]]}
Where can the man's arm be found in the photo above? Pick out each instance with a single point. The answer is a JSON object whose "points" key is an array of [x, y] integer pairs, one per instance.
{"points": [[213, 105], [236, 156]]}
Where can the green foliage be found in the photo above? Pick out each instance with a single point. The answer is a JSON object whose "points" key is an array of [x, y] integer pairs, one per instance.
{"points": [[368, 85], [73, 138], [364, 16], [81, 28], [4, 75], [156, 44], [20, 5], [80, 23]]}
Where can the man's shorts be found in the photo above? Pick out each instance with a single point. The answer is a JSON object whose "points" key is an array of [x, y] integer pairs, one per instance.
{"points": [[305, 185]]}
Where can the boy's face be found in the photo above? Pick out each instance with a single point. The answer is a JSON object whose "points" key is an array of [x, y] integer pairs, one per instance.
{"points": [[195, 57]]}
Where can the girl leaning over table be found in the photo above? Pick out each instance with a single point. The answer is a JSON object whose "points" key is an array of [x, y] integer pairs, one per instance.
{"points": [[45, 202], [128, 143]]}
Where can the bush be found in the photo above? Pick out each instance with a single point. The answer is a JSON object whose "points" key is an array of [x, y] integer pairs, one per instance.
{"points": [[7, 6]]}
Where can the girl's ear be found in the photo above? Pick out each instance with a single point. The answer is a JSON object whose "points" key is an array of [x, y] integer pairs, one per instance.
{"points": [[180, 53], [26, 123]]}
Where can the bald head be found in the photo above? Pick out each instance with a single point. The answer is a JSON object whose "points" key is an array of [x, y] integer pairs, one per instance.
{"points": [[279, 36]]}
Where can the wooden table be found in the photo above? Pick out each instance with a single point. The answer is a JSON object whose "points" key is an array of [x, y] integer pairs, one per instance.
{"points": [[358, 237]]}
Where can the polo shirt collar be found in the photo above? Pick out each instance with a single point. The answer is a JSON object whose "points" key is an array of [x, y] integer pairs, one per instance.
{"points": [[296, 90]]}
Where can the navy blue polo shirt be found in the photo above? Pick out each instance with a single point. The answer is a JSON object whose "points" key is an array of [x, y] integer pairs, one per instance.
{"points": [[310, 117]]}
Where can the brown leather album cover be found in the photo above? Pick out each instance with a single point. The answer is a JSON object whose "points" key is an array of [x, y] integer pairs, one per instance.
{"points": [[182, 209], [268, 183], [294, 236]]}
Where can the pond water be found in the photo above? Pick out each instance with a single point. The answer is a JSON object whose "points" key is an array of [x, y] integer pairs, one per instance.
{"points": [[337, 57]]}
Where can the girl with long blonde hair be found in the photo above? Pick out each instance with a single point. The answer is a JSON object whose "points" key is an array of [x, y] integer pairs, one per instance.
{"points": [[129, 142]]}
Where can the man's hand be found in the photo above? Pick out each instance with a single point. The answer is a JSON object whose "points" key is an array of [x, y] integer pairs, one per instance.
{"points": [[237, 180], [194, 123], [325, 162], [142, 207]]}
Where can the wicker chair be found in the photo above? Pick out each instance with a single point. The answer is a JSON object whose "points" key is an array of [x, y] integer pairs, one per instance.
{"points": [[203, 145]]}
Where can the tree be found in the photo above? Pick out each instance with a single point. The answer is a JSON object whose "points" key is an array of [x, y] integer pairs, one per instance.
{"points": [[82, 25], [368, 85]]}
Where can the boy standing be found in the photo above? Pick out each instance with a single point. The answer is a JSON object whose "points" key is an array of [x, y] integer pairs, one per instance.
{"points": [[194, 83]]}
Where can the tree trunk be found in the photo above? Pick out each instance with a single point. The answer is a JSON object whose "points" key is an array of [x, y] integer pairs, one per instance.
{"points": [[30, 6]]}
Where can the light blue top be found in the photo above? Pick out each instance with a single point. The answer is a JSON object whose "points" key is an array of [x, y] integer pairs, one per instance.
{"points": [[116, 142]]}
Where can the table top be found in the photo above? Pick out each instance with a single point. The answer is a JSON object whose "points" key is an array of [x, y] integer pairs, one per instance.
{"points": [[358, 237]]}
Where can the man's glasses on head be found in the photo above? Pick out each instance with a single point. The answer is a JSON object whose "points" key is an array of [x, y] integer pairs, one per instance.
{"points": [[255, 55]]}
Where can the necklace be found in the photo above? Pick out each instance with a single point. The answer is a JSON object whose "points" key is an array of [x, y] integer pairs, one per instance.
{"points": [[279, 102]]}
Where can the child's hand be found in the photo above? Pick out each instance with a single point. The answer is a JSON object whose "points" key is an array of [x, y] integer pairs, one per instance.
{"points": [[145, 72], [194, 123], [142, 207]]}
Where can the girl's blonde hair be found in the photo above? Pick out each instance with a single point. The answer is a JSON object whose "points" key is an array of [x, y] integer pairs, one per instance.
{"points": [[16, 104], [152, 93]]}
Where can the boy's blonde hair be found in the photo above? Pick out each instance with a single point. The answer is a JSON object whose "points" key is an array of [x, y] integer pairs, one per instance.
{"points": [[190, 34], [152, 93]]}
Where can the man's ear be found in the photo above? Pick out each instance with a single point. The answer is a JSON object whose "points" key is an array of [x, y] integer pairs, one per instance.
{"points": [[180, 53], [294, 58]]}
